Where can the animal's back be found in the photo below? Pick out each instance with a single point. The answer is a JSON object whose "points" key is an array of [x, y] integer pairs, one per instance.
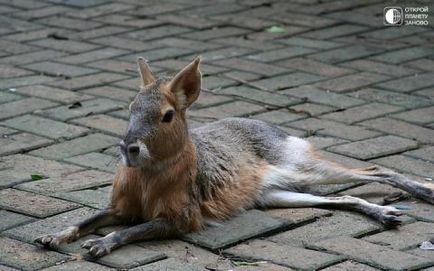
{"points": [[233, 156]]}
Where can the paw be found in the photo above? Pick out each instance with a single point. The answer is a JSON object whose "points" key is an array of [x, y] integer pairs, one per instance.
{"points": [[389, 216], [54, 240], [97, 247]]}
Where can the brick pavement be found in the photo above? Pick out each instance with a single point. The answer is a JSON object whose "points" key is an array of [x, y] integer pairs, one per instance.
{"points": [[326, 70]]}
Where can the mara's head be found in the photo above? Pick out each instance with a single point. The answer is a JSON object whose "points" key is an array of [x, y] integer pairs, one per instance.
{"points": [[157, 129]]}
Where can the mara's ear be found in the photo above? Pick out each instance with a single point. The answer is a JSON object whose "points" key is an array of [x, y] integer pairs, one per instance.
{"points": [[145, 72], [187, 84]]}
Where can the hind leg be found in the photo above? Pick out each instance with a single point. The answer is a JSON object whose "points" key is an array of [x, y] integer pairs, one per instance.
{"points": [[387, 215]]}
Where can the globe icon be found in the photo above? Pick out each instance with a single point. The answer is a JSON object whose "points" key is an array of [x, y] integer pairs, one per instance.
{"points": [[393, 16]]}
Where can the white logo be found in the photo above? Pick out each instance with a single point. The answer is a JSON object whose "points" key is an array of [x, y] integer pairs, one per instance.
{"points": [[393, 16]]}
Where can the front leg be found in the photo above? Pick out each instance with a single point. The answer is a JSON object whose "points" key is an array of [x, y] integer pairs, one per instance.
{"points": [[72, 233], [155, 229]]}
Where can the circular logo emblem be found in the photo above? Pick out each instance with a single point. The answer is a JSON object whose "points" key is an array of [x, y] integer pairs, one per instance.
{"points": [[393, 16]]}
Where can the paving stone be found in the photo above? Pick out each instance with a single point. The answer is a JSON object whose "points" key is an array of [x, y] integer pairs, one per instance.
{"points": [[297, 258], [52, 224], [12, 83], [168, 265], [331, 128], [251, 66], [78, 266], [237, 108], [45, 127], [208, 99], [21, 142], [402, 55], [87, 81], [33, 204], [114, 65], [401, 128], [247, 225], [31, 57], [241, 42], [131, 256], [335, 31], [125, 43], [5, 131], [351, 82], [408, 236], [100, 10], [68, 182], [321, 142], [6, 268], [216, 83], [420, 210], [214, 33], [288, 81], [69, 23], [362, 112], [310, 43], [323, 97], [418, 116], [23, 106], [345, 54], [88, 107], [10, 71], [9, 220], [409, 83], [71, 46], [95, 160], [222, 53], [104, 123], [92, 56], [156, 32], [426, 153], [189, 44], [350, 266], [54, 94], [279, 54], [424, 64], [9, 97], [299, 216], [407, 164], [271, 98], [95, 198], [315, 67], [312, 109], [388, 34], [58, 69], [374, 255], [160, 53], [378, 67], [293, 132], [126, 20], [25, 256], [89, 143], [375, 147], [326, 227], [278, 116]]}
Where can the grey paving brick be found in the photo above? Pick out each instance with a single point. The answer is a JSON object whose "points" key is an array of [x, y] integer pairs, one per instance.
{"points": [[208, 99], [374, 255], [316, 95], [312, 109], [345, 54], [52, 224], [125, 43], [87, 81], [68, 182], [24, 81], [115, 65], [94, 198], [126, 20], [222, 53], [288, 81], [25, 256], [78, 265], [244, 43], [408, 236], [409, 83], [407, 164], [389, 34], [425, 153], [218, 32], [187, 43], [402, 55], [278, 116], [45, 127], [351, 266], [362, 112], [351, 82], [251, 66], [391, 97], [297, 258], [335, 31], [375, 147], [10, 71], [71, 46], [378, 67], [89, 143], [21, 142], [24, 106], [10, 219], [170, 264], [92, 55], [424, 64], [31, 57], [271, 98], [156, 32], [332, 128], [95, 160], [422, 211], [401, 128], [315, 67], [321, 142], [310, 43], [418, 116], [131, 256], [86, 108], [7, 96], [299, 216], [237, 108], [112, 93], [216, 83], [247, 225], [51, 93], [279, 54], [104, 123], [33, 204], [326, 227], [69, 23], [59, 69]]}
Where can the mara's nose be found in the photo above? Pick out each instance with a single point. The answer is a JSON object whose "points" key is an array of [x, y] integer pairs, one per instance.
{"points": [[133, 149]]}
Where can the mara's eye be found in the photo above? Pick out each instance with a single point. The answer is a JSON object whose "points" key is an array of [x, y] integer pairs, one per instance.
{"points": [[168, 116]]}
